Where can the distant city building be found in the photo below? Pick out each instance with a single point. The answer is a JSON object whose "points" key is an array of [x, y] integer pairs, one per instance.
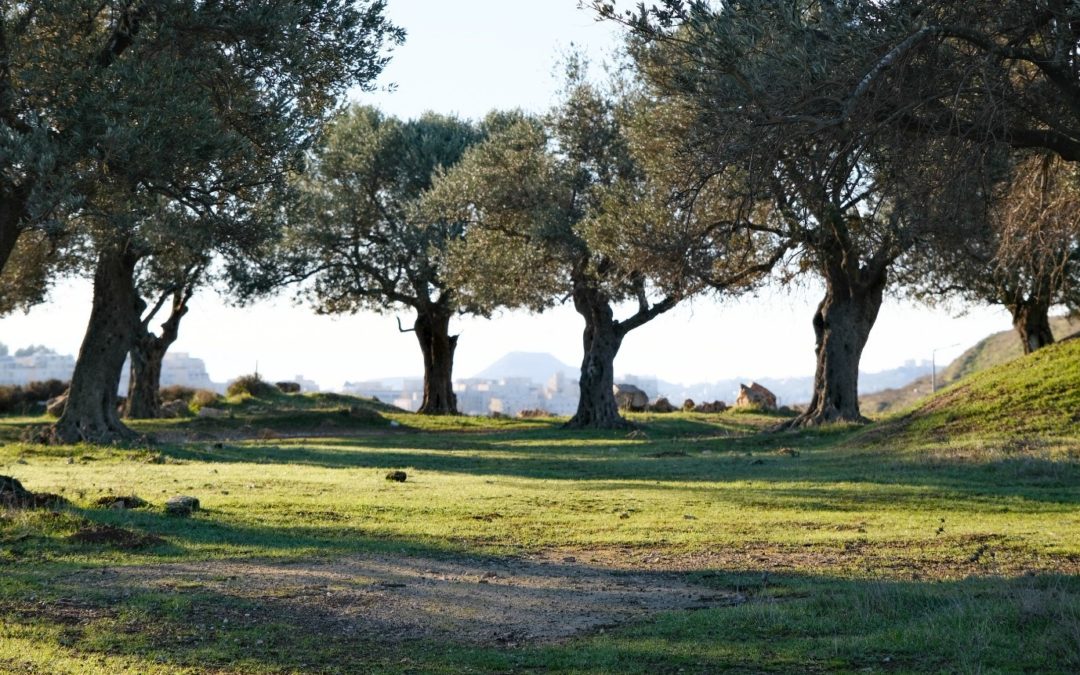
{"points": [[34, 364], [37, 364], [306, 384]]}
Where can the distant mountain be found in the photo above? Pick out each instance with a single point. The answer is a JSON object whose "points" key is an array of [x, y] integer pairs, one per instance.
{"points": [[537, 366], [990, 351]]}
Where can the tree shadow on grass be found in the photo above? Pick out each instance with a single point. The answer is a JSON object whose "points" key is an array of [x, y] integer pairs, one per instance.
{"points": [[831, 471], [333, 616]]}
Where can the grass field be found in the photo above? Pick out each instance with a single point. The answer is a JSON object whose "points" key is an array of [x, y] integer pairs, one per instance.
{"points": [[919, 545]]}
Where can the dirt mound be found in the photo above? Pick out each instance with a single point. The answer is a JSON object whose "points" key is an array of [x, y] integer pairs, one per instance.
{"points": [[121, 502], [387, 598], [14, 496], [114, 536]]}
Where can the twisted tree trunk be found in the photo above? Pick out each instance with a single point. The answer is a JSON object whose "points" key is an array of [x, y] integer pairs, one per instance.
{"points": [[91, 412], [601, 340], [1031, 319], [842, 325], [147, 352], [433, 332]]}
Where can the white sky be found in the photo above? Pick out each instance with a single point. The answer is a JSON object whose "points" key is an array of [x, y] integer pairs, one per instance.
{"points": [[468, 57]]}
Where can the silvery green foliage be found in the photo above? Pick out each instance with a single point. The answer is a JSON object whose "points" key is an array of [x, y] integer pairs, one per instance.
{"points": [[115, 112], [357, 230]]}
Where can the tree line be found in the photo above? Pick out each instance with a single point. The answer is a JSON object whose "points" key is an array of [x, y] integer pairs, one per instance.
{"points": [[919, 147]]}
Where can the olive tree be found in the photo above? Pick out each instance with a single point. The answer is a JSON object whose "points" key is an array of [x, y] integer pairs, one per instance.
{"points": [[563, 208], [205, 108], [1027, 257], [771, 109], [358, 235]]}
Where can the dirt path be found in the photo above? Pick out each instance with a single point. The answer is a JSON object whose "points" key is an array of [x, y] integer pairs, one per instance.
{"points": [[483, 601]]}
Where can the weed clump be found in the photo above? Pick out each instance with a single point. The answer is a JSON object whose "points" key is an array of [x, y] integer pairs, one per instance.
{"points": [[253, 386], [177, 392], [23, 399], [203, 398]]}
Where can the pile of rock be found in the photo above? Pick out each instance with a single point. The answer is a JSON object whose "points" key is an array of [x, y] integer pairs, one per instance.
{"points": [[629, 397], [662, 405], [714, 407], [755, 396]]}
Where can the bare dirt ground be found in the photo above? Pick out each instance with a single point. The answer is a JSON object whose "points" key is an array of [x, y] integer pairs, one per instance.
{"points": [[483, 601]]}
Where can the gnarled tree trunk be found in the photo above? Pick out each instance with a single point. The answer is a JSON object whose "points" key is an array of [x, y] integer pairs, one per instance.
{"points": [[147, 353], [91, 412], [144, 395], [601, 339], [12, 212], [1031, 319], [433, 333], [842, 325]]}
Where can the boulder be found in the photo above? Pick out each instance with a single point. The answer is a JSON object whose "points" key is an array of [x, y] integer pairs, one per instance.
{"points": [[54, 407], [755, 396], [662, 405], [288, 387], [714, 407], [181, 505], [629, 397], [174, 409], [212, 413]]}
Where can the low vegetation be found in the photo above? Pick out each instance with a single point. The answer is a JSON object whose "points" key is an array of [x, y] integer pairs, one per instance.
{"points": [[920, 544]]}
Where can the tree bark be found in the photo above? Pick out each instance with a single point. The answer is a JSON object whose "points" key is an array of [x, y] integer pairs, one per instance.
{"points": [[144, 391], [1032, 322], [147, 352], [601, 339], [91, 411], [433, 333], [12, 212], [842, 325]]}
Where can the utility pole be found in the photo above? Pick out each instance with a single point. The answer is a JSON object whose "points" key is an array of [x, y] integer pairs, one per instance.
{"points": [[933, 365]]}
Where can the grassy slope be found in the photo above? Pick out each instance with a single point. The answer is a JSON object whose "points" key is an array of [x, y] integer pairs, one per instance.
{"points": [[1028, 398], [991, 351], [859, 553]]}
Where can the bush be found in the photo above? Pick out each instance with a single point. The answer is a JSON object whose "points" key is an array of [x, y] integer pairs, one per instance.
{"points": [[252, 385], [203, 398], [177, 392], [20, 400], [534, 413]]}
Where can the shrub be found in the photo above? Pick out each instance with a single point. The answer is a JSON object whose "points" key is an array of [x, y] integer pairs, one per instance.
{"points": [[20, 400], [177, 392], [202, 398], [252, 385], [534, 413]]}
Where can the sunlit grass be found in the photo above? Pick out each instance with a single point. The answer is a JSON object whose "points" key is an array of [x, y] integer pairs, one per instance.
{"points": [[855, 552]]}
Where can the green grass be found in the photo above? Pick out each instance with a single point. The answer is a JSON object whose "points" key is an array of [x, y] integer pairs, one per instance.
{"points": [[1026, 399], [912, 550]]}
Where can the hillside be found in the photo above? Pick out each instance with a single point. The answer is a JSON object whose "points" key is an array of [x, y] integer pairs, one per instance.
{"points": [[990, 351], [1035, 394]]}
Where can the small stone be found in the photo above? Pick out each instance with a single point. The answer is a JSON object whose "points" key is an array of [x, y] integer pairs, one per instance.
{"points": [[687, 516], [397, 476], [181, 505]]}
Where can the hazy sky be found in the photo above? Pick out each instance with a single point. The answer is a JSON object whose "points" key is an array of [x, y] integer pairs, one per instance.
{"points": [[468, 57]]}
